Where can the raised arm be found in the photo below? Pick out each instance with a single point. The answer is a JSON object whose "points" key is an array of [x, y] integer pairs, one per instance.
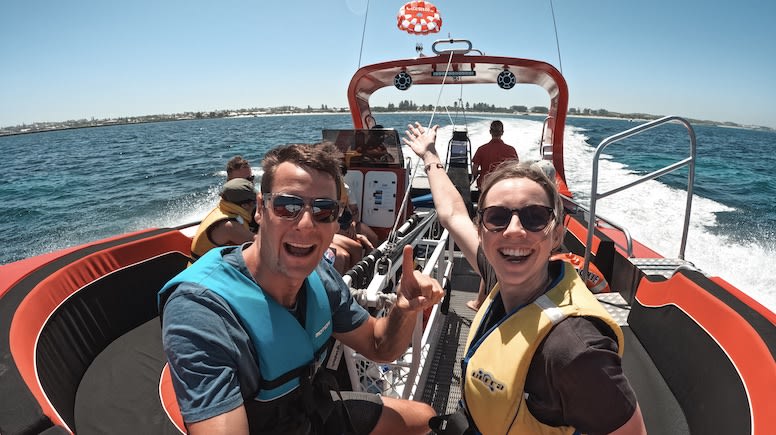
{"points": [[450, 206]]}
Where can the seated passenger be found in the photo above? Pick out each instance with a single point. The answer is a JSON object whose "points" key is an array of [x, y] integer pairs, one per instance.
{"points": [[229, 222], [350, 225], [238, 167], [353, 239], [371, 149], [519, 225], [349, 247]]}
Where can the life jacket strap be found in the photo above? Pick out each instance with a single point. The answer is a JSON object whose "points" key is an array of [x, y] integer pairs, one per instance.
{"points": [[304, 373]]}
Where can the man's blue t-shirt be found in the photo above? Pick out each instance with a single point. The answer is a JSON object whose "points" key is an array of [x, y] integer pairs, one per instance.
{"points": [[212, 360]]}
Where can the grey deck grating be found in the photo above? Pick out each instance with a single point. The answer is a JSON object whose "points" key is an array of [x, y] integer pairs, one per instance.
{"points": [[442, 389], [660, 266]]}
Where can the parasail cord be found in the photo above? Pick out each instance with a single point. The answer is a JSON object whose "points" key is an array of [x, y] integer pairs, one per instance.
{"points": [[363, 32], [557, 43]]}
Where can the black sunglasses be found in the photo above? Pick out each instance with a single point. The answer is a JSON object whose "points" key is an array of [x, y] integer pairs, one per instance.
{"points": [[533, 218], [250, 178], [290, 207]]}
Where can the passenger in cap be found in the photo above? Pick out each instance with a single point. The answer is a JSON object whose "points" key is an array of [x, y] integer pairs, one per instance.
{"points": [[229, 222]]}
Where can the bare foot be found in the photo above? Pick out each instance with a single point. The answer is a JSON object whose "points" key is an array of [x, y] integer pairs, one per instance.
{"points": [[473, 304]]}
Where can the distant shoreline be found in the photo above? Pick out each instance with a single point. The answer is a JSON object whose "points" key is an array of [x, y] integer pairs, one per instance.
{"points": [[41, 127]]}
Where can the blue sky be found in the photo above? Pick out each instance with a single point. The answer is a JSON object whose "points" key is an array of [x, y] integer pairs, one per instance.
{"points": [[62, 60]]}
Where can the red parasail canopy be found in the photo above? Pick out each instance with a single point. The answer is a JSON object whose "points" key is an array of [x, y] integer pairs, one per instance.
{"points": [[419, 17]]}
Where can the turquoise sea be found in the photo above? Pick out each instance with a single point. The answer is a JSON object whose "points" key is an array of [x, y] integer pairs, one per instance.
{"points": [[63, 188]]}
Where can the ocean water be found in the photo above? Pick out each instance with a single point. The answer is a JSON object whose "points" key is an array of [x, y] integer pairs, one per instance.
{"points": [[63, 188]]}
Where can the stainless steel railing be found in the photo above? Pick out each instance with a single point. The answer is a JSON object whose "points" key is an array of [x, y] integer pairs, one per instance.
{"points": [[595, 195]]}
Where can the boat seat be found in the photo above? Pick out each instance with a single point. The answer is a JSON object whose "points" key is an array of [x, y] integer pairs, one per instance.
{"points": [[132, 364], [659, 407], [76, 306], [693, 329], [658, 404]]}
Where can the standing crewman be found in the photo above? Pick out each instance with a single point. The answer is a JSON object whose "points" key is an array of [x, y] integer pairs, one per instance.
{"points": [[489, 155]]}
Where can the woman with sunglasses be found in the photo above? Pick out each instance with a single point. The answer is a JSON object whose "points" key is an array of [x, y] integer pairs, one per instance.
{"points": [[542, 356]]}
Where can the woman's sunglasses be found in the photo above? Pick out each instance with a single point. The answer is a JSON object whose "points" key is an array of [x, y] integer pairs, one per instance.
{"points": [[533, 218], [290, 207]]}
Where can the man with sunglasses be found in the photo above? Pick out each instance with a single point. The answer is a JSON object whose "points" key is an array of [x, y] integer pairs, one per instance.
{"points": [[564, 371], [246, 328]]}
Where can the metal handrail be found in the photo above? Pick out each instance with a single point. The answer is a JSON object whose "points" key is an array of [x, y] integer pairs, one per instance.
{"points": [[689, 162], [543, 147], [452, 41]]}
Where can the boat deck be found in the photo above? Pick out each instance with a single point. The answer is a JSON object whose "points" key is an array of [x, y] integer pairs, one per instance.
{"points": [[442, 386]]}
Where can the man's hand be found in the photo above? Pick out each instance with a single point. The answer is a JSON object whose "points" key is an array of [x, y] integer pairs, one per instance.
{"points": [[416, 291], [386, 338]]}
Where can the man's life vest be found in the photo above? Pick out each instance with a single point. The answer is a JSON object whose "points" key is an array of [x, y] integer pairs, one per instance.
{"points": [[289, 355], [494, 393]]}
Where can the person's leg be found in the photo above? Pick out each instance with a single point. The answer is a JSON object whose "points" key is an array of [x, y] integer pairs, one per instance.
{"points": [[475, 304], [368, 413], [341, 260], [405, 417]]}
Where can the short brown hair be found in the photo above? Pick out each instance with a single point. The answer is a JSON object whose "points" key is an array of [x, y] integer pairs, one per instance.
{"points": [[235, 163], [496, 128], [324, 157]]}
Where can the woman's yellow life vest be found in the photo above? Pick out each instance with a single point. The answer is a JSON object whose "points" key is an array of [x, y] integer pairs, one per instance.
{"points": [[224, 212], [495, 372]]}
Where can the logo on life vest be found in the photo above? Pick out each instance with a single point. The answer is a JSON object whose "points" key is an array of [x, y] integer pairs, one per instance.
{"points": [[488, 379], [322, 330]]}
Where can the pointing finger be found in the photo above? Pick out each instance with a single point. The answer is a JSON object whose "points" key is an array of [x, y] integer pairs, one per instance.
{"points": [[408, 267]]}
